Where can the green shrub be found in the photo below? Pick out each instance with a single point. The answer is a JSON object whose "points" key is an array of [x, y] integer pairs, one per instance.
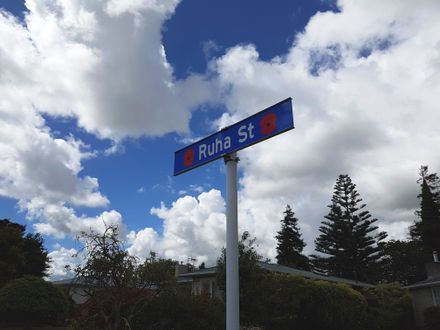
{"points": [[432, 318], [180, 311], [389, 308], [31, 301], [290, 302]]}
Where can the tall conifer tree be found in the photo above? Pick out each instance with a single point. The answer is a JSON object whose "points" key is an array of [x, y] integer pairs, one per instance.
{"points": [[290, 243], [427, 230], [349, 239]]}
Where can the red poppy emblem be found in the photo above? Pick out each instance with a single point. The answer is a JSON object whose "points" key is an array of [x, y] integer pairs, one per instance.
{"points": [[268, 123], [188, 157]]}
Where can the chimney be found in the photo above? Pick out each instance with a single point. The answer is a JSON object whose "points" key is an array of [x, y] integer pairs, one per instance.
{"points": [[433, 268]]}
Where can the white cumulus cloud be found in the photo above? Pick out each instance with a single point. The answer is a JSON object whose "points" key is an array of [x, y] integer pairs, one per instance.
{"points": [[61, 257], [192, 227], [59, 220], [103, 63]]}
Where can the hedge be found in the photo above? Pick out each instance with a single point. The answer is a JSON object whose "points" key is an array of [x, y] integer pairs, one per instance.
{"points": [[389, 308], [290, 302], [31, 301]]}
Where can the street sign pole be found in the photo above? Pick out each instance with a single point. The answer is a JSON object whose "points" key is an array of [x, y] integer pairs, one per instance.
{"points": [[232, 284], [263, 125]]}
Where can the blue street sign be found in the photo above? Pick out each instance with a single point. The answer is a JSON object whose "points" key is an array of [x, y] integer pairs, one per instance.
{"points": [[263, 125]]}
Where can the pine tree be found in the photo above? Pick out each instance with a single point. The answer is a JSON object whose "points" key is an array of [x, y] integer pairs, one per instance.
{"points": [[349, 240], [290, 244], [427, 230]]}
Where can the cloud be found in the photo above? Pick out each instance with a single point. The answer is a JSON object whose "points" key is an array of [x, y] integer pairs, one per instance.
{"points": [[196, 188], [396, 230], [118, 7], [58, 220], [60, 257], [364, 82], [102, 65], [209, 48], [192, 227], [34, 164], [364, 104]]}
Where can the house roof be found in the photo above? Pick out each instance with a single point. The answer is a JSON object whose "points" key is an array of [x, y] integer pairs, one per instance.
{"points": [[211, 271], [312, 275], [430, 282], [200, 273], [78, 282]]}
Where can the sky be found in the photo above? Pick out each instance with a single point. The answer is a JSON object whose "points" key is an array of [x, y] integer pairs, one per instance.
{"points": [[97, 95]]}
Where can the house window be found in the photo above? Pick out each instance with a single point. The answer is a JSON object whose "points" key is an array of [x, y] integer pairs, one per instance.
{"points": [[436, 296]]}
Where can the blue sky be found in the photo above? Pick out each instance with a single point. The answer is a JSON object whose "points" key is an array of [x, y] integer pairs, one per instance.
{"points": [[97, 96]]}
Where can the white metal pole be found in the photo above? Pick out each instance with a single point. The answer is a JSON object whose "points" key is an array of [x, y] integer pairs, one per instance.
{"points": [[232, 287]]}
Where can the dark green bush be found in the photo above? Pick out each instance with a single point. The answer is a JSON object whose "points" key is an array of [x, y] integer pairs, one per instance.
{"points": [[31, 301], [289, 302], [181, 311], [432, 318], [389, 308]]}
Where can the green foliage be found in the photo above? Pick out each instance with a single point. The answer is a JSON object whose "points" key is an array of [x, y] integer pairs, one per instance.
{"points": [[403, 262], [290, 244], [107, 264], [348, 240], [432, 318], [30, 301], [248, 259], [276, 301], [158, 272], [173, 309], [290, 302], [20, 254], [250, 277], [389, 308], [427, 230]]}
